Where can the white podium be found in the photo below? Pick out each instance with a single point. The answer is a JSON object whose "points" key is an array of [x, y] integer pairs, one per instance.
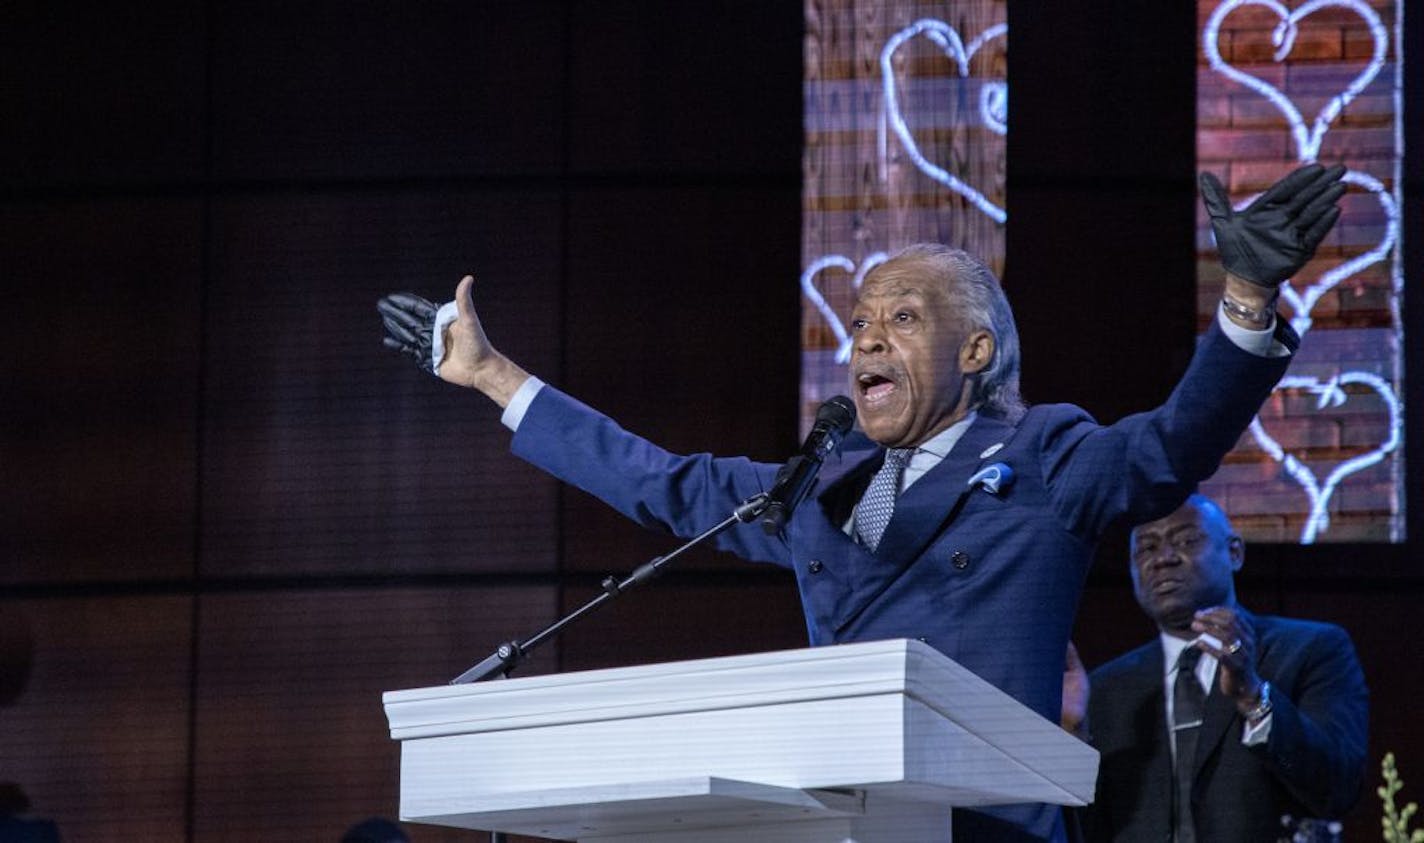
{"points": [[857, 743]]}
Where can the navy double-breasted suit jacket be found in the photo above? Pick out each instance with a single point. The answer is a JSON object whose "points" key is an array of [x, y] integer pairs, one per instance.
{"points": [[990, 579]]}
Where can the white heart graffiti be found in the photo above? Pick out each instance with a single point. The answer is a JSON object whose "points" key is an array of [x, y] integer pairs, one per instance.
{"points": [[1303, 302], [993, 101], [1330, 393], [993, 111], [812, 292], [1307, 136], [1307, 141]]}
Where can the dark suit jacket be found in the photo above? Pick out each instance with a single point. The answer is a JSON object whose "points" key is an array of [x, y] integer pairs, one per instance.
{"points": [[1312, 765], [958, 567]]}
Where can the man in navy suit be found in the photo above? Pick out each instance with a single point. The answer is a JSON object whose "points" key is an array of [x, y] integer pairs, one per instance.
{"points": [[957, 513], [1279, 706]]}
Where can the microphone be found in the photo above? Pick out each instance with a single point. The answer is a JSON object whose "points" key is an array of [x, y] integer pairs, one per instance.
{"points": [[833, 422]]}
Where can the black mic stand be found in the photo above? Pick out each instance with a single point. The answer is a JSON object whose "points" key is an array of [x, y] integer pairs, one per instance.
{"points": [[511, 654]]}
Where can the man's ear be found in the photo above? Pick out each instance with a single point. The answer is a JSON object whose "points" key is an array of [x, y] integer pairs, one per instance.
{"points": [[1236, 551], [976, 352]]}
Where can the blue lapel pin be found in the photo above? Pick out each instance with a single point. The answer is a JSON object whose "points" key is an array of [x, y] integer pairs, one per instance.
{"points": [[993, 478]]}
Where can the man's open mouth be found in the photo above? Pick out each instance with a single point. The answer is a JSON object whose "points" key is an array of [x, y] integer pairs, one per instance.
{"points": [[874, 387]]}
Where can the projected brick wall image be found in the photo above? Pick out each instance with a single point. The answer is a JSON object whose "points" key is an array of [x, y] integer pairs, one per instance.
{"points": [[1278, 87], [906, 110]]}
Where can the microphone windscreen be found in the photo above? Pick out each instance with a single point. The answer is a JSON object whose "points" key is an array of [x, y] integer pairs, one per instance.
{"points": [[836, 413]]}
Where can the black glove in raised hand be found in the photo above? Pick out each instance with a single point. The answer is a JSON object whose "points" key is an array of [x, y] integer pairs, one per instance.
{"points": [[410, 325], [1269, 240]]}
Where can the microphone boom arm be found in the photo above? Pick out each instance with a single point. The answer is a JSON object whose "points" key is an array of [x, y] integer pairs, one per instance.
{"points": [[511, 654], [834, 419]]}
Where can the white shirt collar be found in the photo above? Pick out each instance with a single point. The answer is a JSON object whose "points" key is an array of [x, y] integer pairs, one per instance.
{"points": [[1172, 648], [943, 442]]}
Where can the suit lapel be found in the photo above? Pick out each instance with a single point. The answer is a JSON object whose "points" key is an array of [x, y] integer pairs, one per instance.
{"points": [[1148, 693], [921, 513], [1216, 722], [928, 507], [1156, 746], [841, 485]]}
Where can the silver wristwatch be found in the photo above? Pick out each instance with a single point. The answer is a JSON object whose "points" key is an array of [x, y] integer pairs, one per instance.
{"points": [[1263, 705], [1260, 317]]}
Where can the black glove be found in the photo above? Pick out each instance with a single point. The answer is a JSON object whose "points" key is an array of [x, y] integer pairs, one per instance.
{"points": [[1269, 240], [410, 324]]}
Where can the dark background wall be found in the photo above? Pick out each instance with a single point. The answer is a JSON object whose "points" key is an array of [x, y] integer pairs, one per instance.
{"points": [[230, 519]]}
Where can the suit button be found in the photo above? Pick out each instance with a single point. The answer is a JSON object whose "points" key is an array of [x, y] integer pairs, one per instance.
{"points": [[815, 566], [959, 559]]}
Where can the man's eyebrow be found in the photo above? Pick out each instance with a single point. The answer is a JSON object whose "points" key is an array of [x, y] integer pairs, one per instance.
{"points": [[1141, 533], [893, 293]]}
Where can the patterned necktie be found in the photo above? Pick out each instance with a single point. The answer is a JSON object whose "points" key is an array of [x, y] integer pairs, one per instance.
{"points": [[1188, 703], [876, 506]]}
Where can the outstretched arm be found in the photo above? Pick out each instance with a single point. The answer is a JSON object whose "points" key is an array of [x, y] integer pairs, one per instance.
{"points": [[469, 359], [1143, 466], [682, 494]]}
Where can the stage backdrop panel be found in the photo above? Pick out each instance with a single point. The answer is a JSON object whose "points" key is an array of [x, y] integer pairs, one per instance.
{"points": [[97, 728], [681, 89], [661, 281], [100, 334], [294, 743], [446, 90], [906, 114], [1324, 459], [112, 96], [678, 620], [323, 451]]}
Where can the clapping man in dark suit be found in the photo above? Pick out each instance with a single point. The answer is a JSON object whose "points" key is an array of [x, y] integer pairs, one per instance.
{"points": [[957, 515], [1229, 721]]}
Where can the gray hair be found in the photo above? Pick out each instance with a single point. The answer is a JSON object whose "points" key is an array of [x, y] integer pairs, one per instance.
{"points": [[976, 295]]}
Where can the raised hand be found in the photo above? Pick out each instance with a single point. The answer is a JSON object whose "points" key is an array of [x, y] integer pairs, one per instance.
{"points": [[468, 357], [1269, 240], [1236, 653]]}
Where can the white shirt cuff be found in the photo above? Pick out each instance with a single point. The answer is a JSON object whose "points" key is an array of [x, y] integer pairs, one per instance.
{"points": [[519, 404], [1261, 343], [447, 313], [1256, 734]]}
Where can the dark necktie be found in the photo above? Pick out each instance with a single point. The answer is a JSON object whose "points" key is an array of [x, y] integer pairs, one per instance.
{"points": [[1188, 703], [876, 506]]}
